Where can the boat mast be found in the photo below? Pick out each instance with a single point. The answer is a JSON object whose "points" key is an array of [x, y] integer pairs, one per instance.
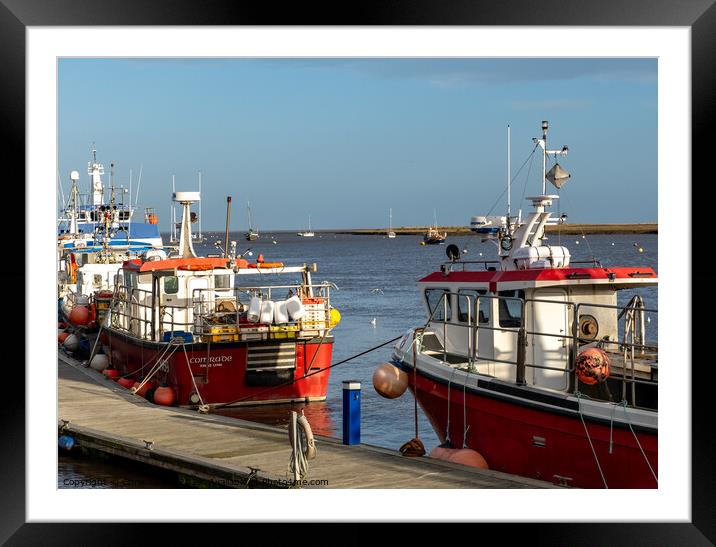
{"points": [[201, 238], [74, 195], [509, 176], [173, 215], [390, 221], [543, 144]]}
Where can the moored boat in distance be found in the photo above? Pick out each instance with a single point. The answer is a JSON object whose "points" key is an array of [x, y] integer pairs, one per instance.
{"points": [[433, 236], [214, 331], [309, 232], [251, 235], [391, 233], [533, 361]]}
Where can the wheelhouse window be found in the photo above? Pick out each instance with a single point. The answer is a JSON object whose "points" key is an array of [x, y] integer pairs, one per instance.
{"points": [[437, 304], [171, 284], [511, 309], [468, 298], [222, 281]]}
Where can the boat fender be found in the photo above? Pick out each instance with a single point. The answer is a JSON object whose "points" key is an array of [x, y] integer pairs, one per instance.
{"points": [[310, 446], [506, 243]]}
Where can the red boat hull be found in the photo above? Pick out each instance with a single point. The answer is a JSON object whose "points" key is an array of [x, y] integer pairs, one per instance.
{"points": [[524, 440], [219, 370]]}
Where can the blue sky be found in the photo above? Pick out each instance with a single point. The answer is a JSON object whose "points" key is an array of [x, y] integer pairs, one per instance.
{"points": [[346, 139]]}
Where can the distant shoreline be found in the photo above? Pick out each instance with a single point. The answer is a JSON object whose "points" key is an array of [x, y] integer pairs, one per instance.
{"points": [[567, 229]]}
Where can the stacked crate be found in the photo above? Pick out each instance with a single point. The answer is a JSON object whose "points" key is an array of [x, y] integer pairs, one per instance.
{"points": [[316, 318], [219, 333]]}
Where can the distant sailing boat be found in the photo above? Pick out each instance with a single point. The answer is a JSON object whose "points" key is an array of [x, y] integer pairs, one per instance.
{"points": [[391, 233], [251, 235], [432, 236], [307, 233]]}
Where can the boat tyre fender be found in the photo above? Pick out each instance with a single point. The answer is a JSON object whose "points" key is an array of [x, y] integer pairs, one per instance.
{"points": [[506, 243], [310, 447]]}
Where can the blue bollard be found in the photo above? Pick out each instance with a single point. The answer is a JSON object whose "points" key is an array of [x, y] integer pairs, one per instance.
{"points": [[351, 412], [66, 442]]}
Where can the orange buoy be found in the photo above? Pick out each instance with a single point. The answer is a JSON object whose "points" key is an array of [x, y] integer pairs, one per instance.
{"points": [[389, 381], [164, 395], [260, 258], [61, 337], [111, 373], [142, 392], [463, 456], [125, 382], [79, 315], [467, 456], [592, 366]]}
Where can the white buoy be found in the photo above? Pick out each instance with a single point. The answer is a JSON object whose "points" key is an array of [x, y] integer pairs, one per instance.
{"points": [[99, 362], [373, 321], [71, 342]]}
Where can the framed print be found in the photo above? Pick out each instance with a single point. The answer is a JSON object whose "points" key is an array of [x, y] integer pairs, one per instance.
{"points": [[67, 63]]}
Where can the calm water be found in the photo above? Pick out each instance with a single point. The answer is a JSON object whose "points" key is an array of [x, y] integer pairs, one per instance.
{"points": [[359, 265]]}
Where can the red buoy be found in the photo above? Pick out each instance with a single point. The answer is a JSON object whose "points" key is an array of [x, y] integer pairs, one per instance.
{"points": [[142, 392], [79, 315], [165, 396], [111, 373], [61, 337], [463, 456], [592, 366], [125, 382]]}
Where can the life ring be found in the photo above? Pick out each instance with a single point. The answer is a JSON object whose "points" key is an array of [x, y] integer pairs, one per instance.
{"points": [[267, 265], [310, 447]]}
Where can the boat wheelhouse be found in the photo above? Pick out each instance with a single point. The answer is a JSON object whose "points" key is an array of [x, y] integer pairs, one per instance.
{"points": [[537, 362]]}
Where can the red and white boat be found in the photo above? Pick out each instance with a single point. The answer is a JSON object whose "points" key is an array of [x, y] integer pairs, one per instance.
{"points": [[219, 330], [533, 362]]}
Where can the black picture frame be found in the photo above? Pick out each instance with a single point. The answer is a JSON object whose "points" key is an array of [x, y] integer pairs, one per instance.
{"points": [[699, 15]]}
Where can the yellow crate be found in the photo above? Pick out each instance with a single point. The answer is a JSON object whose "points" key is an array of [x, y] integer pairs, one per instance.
{"points": [[283, 328], [220, 329], [213, 338], [282, 332]]}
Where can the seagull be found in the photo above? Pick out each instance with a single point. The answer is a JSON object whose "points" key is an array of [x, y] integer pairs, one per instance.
{"points": [[373, 321]]}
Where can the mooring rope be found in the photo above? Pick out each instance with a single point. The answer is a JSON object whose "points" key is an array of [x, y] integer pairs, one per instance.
{"points": [[203, 407], [626, 415], [594, 452], [155, 368]]}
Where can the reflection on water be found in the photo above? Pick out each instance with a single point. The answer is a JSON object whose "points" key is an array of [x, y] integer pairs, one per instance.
{"points": [[79, 471], [320, 415]]}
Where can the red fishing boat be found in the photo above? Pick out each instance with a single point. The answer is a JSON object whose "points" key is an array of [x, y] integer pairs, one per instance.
{"points": [[534, 361], [206, 331]]}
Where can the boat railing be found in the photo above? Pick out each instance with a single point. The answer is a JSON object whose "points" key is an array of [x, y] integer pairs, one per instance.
{"points": [[630, 342], [134, 311], [494, 265]]}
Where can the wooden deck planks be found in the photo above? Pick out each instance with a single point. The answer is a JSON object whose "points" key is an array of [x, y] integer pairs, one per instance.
{"points": [[108, 418]]}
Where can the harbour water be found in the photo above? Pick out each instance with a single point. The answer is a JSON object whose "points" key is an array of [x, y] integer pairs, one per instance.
{"points": [[378, 300]]}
